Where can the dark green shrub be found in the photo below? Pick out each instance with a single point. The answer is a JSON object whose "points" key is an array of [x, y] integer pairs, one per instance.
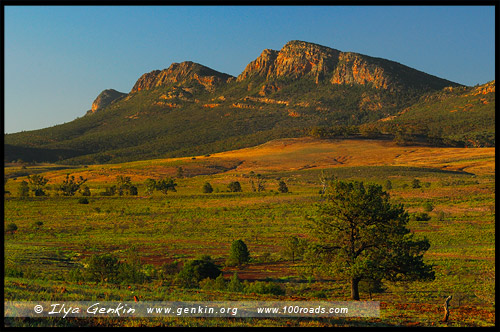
{"points": [[220, 283], [70, 186], [23, 190], [421, 216], [131, 273], [207, 188], [196, 270], [234, 186], [85, 191], [11, 228], [133, 191], [260, 287], [238, 253], [235, 285], [150, 185], [101, 268], [83, 200], [109, 191], [167, 270], [320, 294], [282, 187], [441, 216], [388, 185], [428, 207], [38, 224], [164, 185], [37, 184], [14, 272]]}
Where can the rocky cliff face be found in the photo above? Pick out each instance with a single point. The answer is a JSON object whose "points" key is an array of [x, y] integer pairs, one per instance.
{"points": [[299, 59], [178, 73], [105, 98], [296, 59]]}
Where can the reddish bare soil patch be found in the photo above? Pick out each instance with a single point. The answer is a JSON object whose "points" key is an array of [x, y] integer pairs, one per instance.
{"points": [[260, 271]]}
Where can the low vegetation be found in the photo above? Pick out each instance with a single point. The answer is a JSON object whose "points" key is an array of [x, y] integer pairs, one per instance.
{"points": [[189, 244]]}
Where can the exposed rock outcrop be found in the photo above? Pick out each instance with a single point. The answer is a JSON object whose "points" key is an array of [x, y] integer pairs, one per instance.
{"points": [[105, 98], [181, 73], [299, 59]]}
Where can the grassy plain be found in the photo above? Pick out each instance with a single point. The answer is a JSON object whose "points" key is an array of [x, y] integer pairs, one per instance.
{"points": [[459, 183]]}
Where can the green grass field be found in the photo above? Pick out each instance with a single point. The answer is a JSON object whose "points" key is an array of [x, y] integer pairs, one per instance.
{"points": [[460, 185]]}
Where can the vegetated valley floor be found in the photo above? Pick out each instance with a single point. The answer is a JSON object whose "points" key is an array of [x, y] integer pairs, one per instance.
{"points": [[458, 182]]}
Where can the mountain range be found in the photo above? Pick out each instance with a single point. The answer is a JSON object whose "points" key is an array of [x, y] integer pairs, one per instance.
{"points": [[190, 109]]}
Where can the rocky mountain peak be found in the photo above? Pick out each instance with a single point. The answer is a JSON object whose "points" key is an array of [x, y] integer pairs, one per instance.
{"points": [[105, 98], [179, 73], [298, 59]]}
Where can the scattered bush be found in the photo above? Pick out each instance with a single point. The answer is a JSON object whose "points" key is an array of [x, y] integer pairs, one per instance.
{"points": [[234, 186], [235, 285], [109, 191], [293, 247], [388, 185], [261, 287], [83, 200], [124, 186], [23, 190], [207, 188], [85, 191], [320, 294], [38, 224], [196, 270], [37, 184], [440, 216], [238, 253], [11, 228], [164, 185], [70, 186], [101, 268], [428, 207], [282, 187], [421, 216]]}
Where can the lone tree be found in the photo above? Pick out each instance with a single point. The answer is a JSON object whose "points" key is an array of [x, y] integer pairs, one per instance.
{"points": [[234, 187], [293, 247], [102, 267], [37, 184], [207, 188], [11, 228], [360, 235], [164, 185], [23, 190], [150, 185], [125, 186], [70, 186], [238, 253], [282, 187]]}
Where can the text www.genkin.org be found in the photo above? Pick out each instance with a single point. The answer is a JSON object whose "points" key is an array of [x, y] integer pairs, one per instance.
{"points": [[287, 309]]}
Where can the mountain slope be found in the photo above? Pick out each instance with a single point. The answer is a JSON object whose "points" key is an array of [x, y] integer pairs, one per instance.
{"points": [[298, 59], [464, 114], [191, 109]]}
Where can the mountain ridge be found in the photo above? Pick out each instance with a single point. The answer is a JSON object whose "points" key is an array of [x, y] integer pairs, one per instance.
{"points": [[189, 108]]}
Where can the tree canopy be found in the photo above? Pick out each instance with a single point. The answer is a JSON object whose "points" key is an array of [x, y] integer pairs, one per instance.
{"points": [[358, 234]]}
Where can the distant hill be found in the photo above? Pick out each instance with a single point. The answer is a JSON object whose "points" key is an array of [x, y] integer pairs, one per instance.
{"points": [[462, 115], [189, 109]]}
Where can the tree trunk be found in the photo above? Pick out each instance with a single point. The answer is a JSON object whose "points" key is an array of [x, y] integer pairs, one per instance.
{"points": [[355, 288]]}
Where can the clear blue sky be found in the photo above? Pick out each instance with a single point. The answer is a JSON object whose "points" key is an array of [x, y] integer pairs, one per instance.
{"points": [[58, 59]]}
